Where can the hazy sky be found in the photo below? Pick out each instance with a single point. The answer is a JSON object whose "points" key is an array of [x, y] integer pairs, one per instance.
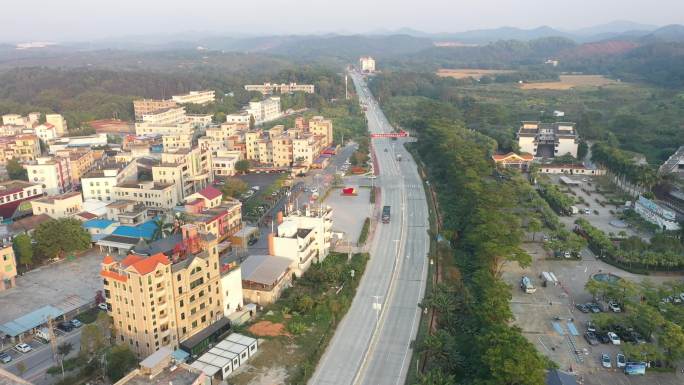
{"points": [[93, 19]]}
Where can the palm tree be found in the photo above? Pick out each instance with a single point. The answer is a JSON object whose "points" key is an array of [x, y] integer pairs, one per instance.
{"points": [[163, 228]]}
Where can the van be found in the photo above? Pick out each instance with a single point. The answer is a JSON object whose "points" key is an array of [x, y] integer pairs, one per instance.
{"points": [[43, 334]]}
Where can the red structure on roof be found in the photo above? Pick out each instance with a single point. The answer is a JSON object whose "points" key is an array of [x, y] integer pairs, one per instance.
{"points": [[210, 192]]}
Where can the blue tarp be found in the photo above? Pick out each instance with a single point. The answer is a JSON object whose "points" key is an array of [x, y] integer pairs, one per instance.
{"points": [[180, 355], [558, 328], [144, 230], [97, 223], [30, 321], [573, 329]]}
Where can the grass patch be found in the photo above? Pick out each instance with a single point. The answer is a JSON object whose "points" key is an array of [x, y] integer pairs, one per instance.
{"points": [[89, 316], [364, 232]]}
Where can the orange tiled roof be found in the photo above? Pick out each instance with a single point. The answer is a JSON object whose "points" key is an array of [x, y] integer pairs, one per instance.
{"points": [[113, 275], [130, 260], [108, 260], [147, 265], [499, 157]]}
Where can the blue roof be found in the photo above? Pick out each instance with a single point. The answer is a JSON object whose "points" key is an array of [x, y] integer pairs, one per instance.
{"points": [[143, 230], [180, 355], [98, 223], [30, 321]]}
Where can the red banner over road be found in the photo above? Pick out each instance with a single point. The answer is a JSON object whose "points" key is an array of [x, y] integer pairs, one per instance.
{"points": [[400, 134]]}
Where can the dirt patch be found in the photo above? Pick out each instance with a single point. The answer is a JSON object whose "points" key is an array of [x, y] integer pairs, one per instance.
{"points": [[268, 329], [271, 376], [474, 73], [570, 81]]}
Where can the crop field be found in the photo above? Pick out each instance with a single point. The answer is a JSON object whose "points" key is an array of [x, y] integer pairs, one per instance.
{"points": [[570, 81], [474, 73]]}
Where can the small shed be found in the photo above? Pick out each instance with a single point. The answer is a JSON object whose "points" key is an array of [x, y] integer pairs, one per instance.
{"points": [[217, 360], [249, 342], [241, 350], [234, 359], [207, 369]]}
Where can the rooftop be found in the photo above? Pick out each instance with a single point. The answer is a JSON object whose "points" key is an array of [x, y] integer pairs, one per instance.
{"points": [[264, 269], [182, 375], [52, 199], [13, 186]]}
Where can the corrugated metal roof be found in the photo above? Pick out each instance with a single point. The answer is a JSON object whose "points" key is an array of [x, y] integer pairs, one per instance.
{"points": [[264, 269], [30, 321]]}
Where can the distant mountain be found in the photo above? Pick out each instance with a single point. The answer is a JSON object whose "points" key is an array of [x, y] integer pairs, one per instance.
{"points": [[614, 28], [482, 36], [669, 33]]}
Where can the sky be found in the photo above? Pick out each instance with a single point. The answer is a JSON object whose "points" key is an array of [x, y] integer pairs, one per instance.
{"points": [[80, 20]]}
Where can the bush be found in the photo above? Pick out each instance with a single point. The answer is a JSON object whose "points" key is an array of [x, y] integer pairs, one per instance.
{"points": [[364, 232]]}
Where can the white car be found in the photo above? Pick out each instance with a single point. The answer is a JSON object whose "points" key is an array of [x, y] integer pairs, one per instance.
{"points": [[614, 307], [314, 190], [620, 360], [102, 306], [587, 211], [614, 339], [372, 176], [24, 348], [605, 361]]}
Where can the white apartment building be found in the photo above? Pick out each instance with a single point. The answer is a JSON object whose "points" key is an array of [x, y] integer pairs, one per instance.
{"points": [[58, 206], [283, 88], [195, 97], [46, 131], [548, 140], [223, 164], [231, 289], [188, 171], [303, 237], [165, 116], [238, 118], [266, 110], [155, 196], [367, 64], [53, 173], [59, 122], [99, 184]]}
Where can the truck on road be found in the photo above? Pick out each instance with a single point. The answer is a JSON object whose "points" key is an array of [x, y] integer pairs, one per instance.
{"points": [[398, 157], [385, 214]]}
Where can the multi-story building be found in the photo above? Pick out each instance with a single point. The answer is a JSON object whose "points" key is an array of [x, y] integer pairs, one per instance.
{"points": [[548, 140], [165, 116], [222, 221], [242, 117], [58, 206], [157, 197], [73, 142], [53, 173], [24, 148], [81, 161], [45, 131], [367, 64], [146, 106], [223, 163], [322, 127], [188, 171], [58, 122], [177, 141], [200, 120], [303, 237], [195, 97], [162, 300], [15, 192], [265, 110], [283, 88], [14, 120], [99, 183], [8, 267]]}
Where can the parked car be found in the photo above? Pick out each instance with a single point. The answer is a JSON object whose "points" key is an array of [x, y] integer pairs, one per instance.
{"points": [[605, 361], [591, 338], [65, 326], [5, 358], [620, 360], [76, 323], [603, 337], [102, 306], [614, 307], [614, 339], [314, 190], [22, 347], [252, 241], [595, 308], [591, 327], [583, 308]]}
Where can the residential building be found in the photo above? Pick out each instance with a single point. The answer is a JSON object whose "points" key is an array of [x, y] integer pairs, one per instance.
{"points": [[8, 267], [188, 171], [45, 131], [223, 163], [157, 197], [99, 183], [15, 192], [264, 277], [164, 367], [210, 197], [322, 127], [265, 110], [165, 116], [177, 141], [222, 221], [24, 148], [11, 130], [200, 120], [231, 288], [14, 120], [53, 173], [58, 122], [513, 160], [58, 206], [162, 300], [283, 88], [81, 162], [146, 106], [367, 64], [195, 97], [548, 140], [127, 212], [303, 237], [242, 117]]}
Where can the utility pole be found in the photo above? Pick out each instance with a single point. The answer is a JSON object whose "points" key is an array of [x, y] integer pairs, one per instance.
{"points": [[346, 89], [53, 339]]}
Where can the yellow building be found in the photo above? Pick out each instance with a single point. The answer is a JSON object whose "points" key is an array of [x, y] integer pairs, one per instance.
{"points": [[81, 162], [159, 301], [58, 206], [322, 127], [8, 267], [146, 106], [59, 122], [24, 148], [177, 141]]}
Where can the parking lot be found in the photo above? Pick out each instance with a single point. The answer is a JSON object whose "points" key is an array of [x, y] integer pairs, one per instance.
{"points": [[536, 314], [349, 212]]}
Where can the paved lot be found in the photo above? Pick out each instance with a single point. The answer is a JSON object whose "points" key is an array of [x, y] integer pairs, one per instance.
{"points": [[349, 212], [535, 313], [603, 218], [52, 284]]}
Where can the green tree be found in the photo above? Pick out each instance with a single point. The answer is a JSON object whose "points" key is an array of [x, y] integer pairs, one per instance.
{"points": [[234, 188], [120, 360], [534, 226], [92, 339], [510, 359], [672, 340], [162, 228], [23, 249], [63, 350], [243, 166], [56, 237], [15, 170], [641, 352]]}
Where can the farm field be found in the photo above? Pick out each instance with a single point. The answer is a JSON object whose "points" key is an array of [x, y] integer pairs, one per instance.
{"points": [[474, 73], [570, 81]]}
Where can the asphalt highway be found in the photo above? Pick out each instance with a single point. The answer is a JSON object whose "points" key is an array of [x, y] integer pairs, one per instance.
{"points": [[372, 344]]}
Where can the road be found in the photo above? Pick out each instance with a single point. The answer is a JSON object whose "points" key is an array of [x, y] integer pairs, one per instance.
{"points": [[38, 361], [371, 346]]}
